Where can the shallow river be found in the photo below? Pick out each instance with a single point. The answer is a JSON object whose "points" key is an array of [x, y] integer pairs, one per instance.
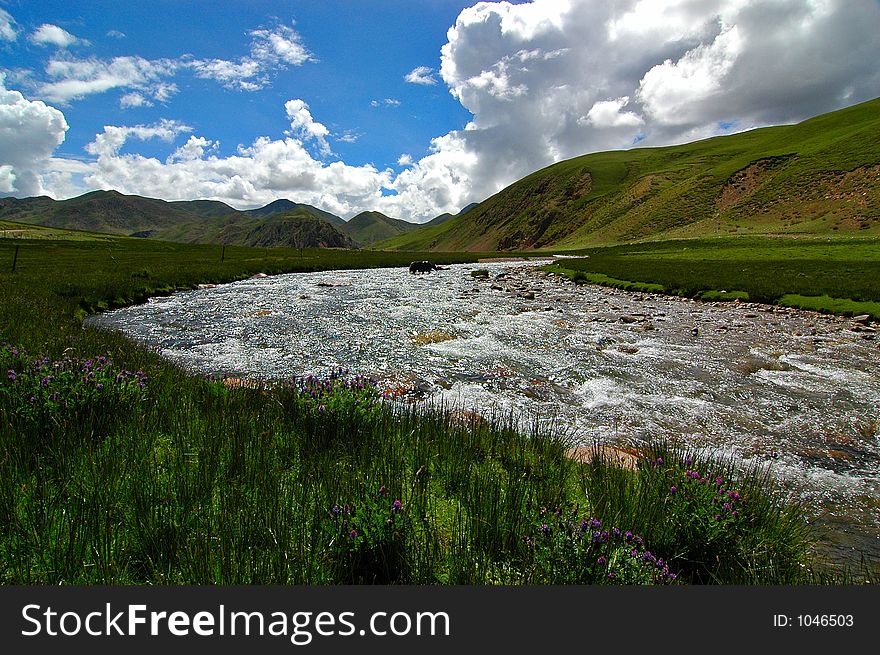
{"points": [[794, 390]]}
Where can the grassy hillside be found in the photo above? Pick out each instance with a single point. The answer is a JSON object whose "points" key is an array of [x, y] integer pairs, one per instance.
{"points": [[99, 211], [280, 224], [819, 177], [369, 227]]}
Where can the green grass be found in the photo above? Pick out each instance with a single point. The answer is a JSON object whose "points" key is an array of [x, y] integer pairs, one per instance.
{"points": [[118, 468], [821, 274]]}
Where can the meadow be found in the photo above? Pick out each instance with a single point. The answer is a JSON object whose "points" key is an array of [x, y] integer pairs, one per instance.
{"points": [[116, 467], [840, 276]]}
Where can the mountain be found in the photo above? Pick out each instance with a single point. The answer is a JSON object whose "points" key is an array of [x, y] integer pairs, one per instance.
{"points": [[467, 208], [98, 211], [369, 227], [821, 176], [205, 208], [283, 205], [439, 220], [193, 221], [299, 228]]}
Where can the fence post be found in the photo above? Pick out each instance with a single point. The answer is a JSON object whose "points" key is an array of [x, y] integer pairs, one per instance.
{"points": [[15, 258], [223, 253]]}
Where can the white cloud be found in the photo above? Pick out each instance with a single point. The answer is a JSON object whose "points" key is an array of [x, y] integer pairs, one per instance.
{"points": [[149, 80], [421, 75], [347, 137], [387, 102], [30, 131], [7, 27], [271, 50], [607, 113], [279, 45], [47, 34], [404, 160], [76, 78], [116, 34], [304, 126], [134, 99], [110, 141]]}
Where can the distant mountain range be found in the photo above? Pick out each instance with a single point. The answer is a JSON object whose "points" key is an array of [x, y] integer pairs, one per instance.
{"points": [[821, 176], [280, 223]]}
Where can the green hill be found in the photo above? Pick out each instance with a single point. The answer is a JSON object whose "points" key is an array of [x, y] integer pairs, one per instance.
{"points": [[282, 223], [98, 211], [369, 227], [283, 206], [819, 177], [298, 228]]}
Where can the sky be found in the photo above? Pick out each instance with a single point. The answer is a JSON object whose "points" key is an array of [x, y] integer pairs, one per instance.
{"points": [[408, 107]]}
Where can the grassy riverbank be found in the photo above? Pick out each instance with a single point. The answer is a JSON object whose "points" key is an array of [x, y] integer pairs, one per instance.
{"points": [[830, 275], [117, 467]]}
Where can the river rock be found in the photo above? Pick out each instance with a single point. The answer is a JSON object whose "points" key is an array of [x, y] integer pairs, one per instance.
{"points": [[861, 318]]}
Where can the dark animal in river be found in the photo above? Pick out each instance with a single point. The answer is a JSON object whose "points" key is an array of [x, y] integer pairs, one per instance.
{"points": [[423, 267]]}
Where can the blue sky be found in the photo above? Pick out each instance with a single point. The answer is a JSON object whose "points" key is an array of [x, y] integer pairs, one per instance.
{"points": [[410, 108], [365, 64]]}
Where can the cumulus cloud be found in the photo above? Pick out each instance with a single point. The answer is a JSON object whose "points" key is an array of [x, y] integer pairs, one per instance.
{"points": [[421, 75], [47, 34], [7, 27], [607, 113], [265, 170], [116, 34], [30, 131]]}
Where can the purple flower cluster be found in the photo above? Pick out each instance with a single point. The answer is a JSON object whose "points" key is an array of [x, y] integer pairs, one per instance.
{"points": [[727, 502], [353, 523], [322, 390], [592, 544], [65, 381]]}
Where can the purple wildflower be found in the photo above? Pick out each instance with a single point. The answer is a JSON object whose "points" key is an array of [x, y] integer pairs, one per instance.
{"points": [[396, 506], [382, 491], [11, 375], [545, 528], [601, 561], [673, 490]]}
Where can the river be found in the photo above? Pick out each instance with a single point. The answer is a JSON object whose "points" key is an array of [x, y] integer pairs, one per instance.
{"points": [[795, 391]]}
